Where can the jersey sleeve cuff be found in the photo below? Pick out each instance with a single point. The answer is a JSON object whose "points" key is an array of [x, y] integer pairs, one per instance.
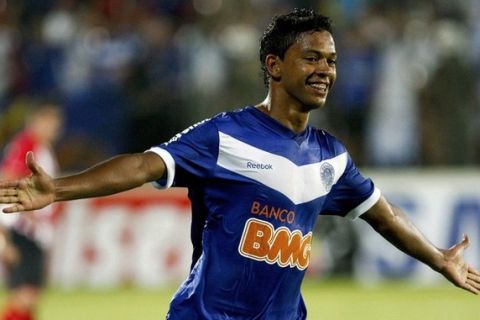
{"points": [[167, 182], [365, 205]]}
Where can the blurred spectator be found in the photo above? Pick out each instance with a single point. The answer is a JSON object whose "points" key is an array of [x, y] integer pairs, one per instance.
{"points": [[123, 66], [448, 101], [156, 84], [393, 121], [24, 239], [6, 55]]}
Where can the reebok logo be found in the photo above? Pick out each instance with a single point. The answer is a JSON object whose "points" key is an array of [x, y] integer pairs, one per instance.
{"points": [[261, 166]]}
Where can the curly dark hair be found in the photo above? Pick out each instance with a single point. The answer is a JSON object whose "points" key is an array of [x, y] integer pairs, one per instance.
{"points": [[284, 30]]}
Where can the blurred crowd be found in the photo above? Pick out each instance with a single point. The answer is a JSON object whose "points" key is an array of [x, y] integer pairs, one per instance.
{"points": [[130, 74]]}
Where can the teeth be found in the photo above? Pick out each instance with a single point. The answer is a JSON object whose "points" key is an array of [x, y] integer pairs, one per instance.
{"points": [[319, 86]]}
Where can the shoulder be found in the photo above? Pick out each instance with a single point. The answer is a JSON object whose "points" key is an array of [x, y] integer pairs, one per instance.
{"points": [[204, 131], [211, 125], [232, 117], [228, 121]]}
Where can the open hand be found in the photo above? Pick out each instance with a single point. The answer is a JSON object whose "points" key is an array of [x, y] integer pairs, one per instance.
{"points": [[458, 271], [30, 193]]}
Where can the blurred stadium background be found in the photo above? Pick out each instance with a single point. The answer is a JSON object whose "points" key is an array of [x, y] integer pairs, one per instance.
{"points": [[131, 74]]}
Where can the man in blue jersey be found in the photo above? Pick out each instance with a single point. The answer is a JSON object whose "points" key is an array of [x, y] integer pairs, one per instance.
{"points": [[257, 178]]}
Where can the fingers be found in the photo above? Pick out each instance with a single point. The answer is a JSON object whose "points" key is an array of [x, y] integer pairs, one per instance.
{"points": [[9, 196], [473, 284], [9, 184], [473, 277], [471, 289], [8, 192], [13, 209], [11, 193], [474, 273], [9, 199]]}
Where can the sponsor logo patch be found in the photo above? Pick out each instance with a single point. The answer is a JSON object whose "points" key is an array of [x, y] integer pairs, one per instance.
{"points": [[262, 242]]}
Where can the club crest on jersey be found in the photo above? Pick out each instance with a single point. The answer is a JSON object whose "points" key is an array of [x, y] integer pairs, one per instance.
{"points": [[282, 246], [327, 174]]}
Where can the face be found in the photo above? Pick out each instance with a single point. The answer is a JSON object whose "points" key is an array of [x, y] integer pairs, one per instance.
{"points": [[308, 69], [48, 125]]}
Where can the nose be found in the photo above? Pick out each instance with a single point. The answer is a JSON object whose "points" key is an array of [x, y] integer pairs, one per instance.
{"points": [[323, 67]]}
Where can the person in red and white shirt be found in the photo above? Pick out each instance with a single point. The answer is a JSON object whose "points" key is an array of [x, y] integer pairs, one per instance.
{"points": [[24, 238]]}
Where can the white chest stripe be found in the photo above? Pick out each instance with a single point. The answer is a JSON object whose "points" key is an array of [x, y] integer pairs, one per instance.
{"points": [[299, 183]]}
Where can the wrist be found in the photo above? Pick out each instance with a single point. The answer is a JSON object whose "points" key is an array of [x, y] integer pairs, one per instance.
{"points": [[439, 262]]}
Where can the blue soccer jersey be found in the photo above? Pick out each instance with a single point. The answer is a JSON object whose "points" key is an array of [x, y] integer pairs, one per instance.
{"points": [[256, 189]]}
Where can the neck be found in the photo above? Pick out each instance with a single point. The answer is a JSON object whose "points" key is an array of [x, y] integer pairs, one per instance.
{"points": [[290, 116]]}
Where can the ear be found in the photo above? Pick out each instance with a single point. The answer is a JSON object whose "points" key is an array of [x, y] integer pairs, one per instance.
{"points": [[273, 65]]}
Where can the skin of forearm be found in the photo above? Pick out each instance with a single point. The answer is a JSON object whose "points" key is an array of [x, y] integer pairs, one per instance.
{"points": [[120, 173], [399, 230]]}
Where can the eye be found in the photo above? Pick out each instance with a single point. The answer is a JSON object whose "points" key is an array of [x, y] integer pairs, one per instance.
{"points": [[312, 58], [332, 62]]}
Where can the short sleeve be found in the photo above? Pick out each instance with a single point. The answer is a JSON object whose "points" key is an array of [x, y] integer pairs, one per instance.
{"points": [[352, 195], [192, 153]]}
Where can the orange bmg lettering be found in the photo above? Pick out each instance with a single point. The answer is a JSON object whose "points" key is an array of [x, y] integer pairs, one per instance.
{"points": [[261, 242]]}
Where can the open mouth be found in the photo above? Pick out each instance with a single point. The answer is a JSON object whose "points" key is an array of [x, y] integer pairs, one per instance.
{"points": [[321, 88]]}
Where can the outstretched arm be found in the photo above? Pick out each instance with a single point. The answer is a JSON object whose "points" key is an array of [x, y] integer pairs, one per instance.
{"points": [[395, 226], [117, 174]]}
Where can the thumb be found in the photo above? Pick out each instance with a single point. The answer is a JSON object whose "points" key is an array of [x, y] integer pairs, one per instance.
{"points": [[464, 244], [32, 165]]}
